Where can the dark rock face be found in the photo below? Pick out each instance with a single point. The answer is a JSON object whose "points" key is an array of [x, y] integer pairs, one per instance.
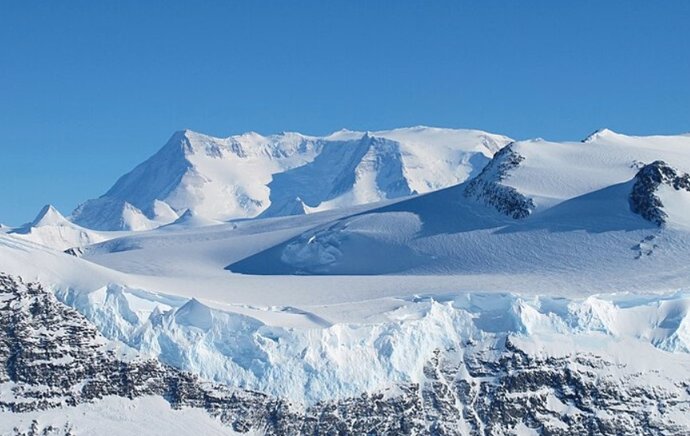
{"points": [[52, 357], [487, 186], [75, 251], [643, 198]]}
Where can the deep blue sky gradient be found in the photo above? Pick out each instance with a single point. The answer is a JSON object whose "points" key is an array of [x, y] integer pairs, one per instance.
{"points": [[89, 89]]}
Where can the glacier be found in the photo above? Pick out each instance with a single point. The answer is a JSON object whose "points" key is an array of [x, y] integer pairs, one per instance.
{"points": [[308, 365]]}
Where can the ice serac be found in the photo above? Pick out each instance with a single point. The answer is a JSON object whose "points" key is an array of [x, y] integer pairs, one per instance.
{"points": [[475, 364], [248, 175]]}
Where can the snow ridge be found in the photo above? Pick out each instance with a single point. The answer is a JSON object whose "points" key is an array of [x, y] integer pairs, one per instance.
{"points": [[369, 170]]}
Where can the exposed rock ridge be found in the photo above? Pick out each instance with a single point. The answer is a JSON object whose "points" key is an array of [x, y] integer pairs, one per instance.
{"points": [[644, 200], [487, 186]]}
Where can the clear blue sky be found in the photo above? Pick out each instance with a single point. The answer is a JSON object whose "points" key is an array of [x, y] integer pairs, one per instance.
{"points": [[89, 89]]}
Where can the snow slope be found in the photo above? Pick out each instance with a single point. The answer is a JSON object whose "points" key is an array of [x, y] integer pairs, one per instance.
{"points": [[247, 175]]}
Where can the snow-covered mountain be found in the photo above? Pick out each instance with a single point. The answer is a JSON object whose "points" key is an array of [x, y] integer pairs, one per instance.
{"points": [[248, 175]]}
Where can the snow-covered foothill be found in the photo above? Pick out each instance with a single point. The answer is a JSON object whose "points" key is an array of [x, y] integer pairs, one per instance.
{"points": [[52, 229]]}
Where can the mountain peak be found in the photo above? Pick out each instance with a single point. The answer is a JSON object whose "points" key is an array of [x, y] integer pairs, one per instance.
{"points": [[251, 134], [191, 218], [598, 134], [187, 142], [48, 216]]}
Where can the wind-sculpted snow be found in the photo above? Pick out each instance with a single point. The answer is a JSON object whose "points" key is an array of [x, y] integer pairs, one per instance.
{"points": [[553, 208], [320, 251]]}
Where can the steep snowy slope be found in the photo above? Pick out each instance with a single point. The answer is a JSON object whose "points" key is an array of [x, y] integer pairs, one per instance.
{"points": [[357, 168], [53, 230], [246, 175]]}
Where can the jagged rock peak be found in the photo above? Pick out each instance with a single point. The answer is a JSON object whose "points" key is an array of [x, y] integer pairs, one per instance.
{"points": [[644, 200]]}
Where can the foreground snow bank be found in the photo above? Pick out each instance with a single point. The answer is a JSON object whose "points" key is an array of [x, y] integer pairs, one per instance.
{"points": [[115, 416]]}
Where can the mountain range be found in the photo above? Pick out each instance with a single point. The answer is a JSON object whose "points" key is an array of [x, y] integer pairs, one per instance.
{"points": [[250, 175], [410, 281]]}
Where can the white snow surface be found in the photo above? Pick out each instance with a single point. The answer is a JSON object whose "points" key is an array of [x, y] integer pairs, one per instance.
{"points": [[330, 304], [117, 416], [246, 175]]}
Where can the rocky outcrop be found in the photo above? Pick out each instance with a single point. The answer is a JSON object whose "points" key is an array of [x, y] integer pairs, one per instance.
{"points": [[644, 200], [75, 251], [487, 186], [51, 356]]}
